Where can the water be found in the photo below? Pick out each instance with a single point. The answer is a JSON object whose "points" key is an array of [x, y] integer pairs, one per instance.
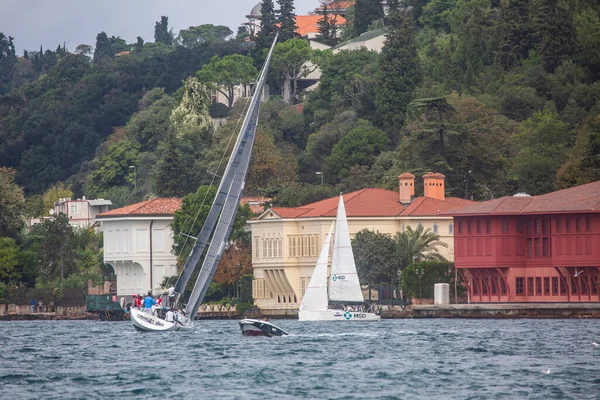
{"points": [[391, 359]]}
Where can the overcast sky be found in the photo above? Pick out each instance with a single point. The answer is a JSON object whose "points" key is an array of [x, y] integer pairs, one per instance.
{"points": [[52, 22]]}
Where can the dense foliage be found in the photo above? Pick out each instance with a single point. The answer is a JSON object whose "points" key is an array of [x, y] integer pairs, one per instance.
{"points": [[499, 96]]}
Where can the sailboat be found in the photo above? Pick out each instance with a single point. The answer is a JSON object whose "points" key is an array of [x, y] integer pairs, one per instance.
{"points": [[218, 223], [343, 285]]}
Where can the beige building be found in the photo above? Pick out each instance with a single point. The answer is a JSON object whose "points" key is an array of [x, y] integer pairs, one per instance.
{"points": [[286, 241]]}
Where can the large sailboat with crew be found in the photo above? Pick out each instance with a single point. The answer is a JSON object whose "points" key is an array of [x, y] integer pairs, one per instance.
{"points": [[343, 285], [216, 228]]}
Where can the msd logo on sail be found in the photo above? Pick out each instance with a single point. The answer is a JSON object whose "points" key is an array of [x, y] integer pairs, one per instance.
{"points": [[338, 278]]}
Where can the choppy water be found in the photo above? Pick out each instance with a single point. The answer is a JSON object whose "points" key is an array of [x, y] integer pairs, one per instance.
{"points": [[392, 359]]}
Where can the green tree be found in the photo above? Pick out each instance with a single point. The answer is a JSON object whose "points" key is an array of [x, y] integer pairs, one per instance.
{"points": [[7, 62], [192, 112], [587, 26], [9, 261], [56, 252], [515, 33], [170, 174], [417, 244], [57, 191], [224, 74], [268, 26], [399, 71], [433, 272], [365, 12], [286, 20], [555, 29], [162, 34], [359, 147], [542, 140], [328, 29], [205, 33], [289, 59], [583, 164], [103, 48], [12, 204], [374, 256]]}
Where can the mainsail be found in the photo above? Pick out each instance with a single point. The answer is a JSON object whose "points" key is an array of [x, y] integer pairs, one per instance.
{"points": [[226, 203], [343, 282], [315, 297]]}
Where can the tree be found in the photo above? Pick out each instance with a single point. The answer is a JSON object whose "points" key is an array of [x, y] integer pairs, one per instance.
{"points": [[205, 33], [556, 31], [328, 30], [12, 204], [399, 71], [54, 193], [359, 147], [374, 256], [433, 272], [417, 244], [289, 59], [515, 33], [542, 140], [235, 263], [268, 27], [192, 112], [170, 175], [365, 12], [103, 49], [84, 49], [56, 253], [583, 164], [224, 74], [9, 261], [7, 61], [162, 34], [286, 20]]}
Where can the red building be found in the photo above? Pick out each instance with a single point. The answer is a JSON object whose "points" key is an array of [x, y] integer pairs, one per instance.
{"points": [[531, 249]]}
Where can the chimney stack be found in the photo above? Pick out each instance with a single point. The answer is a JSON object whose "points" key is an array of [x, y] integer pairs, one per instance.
{"points": [[433, 185], [407, 187]]}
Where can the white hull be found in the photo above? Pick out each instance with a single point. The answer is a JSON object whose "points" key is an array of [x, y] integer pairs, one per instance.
{"points": [[143, 321], [336, 315]]}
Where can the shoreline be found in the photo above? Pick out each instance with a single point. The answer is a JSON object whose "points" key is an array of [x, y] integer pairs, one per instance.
{"points": [[467, 311]]}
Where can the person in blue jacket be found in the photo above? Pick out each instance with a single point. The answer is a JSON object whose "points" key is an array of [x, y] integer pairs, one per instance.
{"points": [[148, 303]]}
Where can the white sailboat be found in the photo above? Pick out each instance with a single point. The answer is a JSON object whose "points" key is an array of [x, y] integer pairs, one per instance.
{"points": [[219, 223], [344, 285]]}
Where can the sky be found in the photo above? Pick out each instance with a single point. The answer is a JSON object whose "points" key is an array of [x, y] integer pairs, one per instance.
{"points": [[52, 22]]}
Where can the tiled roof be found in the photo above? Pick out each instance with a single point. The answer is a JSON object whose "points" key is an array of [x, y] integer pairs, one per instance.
{"points": [[406, 175], [310, 23], [434, 175], [428, 206], [362, 203], [256, 203], [583, 198], [148, 207], [336, 5]]}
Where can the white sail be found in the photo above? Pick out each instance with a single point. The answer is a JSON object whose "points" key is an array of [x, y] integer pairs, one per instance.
{"points": [[315, 296], [343, 281]]}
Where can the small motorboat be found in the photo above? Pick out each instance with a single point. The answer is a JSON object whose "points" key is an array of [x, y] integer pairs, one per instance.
{"points": [[257, 327]]}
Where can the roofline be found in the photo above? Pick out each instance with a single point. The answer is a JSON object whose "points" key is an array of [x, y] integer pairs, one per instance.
{"points": [[125, 217], [362, 218], [526, 213]]}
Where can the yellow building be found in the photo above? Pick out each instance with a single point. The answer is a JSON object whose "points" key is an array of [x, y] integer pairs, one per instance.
{"points": [[286, 241]]}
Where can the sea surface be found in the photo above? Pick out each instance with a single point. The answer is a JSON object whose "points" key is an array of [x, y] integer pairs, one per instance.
{"points": [[390, 359]]}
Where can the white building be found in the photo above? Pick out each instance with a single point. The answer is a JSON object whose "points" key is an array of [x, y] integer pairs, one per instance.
{"points": [[137, 243], [81, 212]]}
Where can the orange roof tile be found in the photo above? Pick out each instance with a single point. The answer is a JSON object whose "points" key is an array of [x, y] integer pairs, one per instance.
{"points": [[148, 207], [361, 203], [406, 175], [336, 5], [310, 23], [432, 206], [256, 203], [583, 198], [434, 175]]}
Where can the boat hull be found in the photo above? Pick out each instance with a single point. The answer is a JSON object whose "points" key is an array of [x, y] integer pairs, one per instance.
{"points": [[337, 315], [255, 327], [145, 322]]}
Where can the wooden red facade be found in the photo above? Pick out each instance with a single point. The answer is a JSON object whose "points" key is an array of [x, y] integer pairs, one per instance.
{"points": [[530, 249]]}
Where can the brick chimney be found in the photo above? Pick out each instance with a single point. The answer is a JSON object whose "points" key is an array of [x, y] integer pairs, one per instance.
{"points": [[407, 187], [433, 185]]}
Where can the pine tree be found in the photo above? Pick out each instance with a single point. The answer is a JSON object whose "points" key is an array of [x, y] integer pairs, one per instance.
{"points": [[555, 30], [365, 13], [103, 47], [399, 71], [267, 25], [328, 27], [170, 172], [162, 33], [286, 19], [515, 32]]}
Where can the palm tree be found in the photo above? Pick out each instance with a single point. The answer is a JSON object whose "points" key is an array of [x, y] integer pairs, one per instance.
{"points": [[421, 244]]}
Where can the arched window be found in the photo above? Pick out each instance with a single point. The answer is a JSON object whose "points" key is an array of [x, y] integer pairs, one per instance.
{"points": [[435, 228], [451, 228]]}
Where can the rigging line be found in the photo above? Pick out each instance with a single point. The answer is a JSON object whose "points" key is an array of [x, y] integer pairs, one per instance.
{"points": [[223, 155]]}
